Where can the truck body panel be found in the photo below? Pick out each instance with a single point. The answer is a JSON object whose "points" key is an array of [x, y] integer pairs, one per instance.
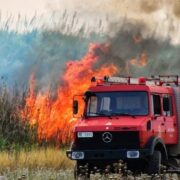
{"points": [[175, 150]]}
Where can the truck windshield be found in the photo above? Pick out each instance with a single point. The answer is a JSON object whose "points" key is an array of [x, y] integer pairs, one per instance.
{"points": [[117, 103]]}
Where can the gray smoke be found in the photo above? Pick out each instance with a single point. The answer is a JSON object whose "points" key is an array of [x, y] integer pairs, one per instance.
{"points": [[43, 53], [129, 29], [163, 57]]}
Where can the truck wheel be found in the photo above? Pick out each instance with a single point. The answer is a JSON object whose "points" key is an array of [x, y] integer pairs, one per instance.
{"points": [[78, 175], [154, 164]]}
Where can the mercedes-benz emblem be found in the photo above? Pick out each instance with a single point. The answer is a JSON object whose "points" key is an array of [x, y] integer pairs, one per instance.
{"points": [[107, 137]]}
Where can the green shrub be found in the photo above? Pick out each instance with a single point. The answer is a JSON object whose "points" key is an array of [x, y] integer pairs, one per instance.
{"points": [[14, 131]]}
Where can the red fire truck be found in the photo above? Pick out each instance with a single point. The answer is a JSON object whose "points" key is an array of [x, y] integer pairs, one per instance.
{"points": [[133, 119]]}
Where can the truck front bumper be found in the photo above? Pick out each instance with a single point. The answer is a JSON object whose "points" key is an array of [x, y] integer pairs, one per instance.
{"points": [[108, 154]]}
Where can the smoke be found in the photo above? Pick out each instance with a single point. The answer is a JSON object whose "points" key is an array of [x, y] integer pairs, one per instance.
{"points": [[42, 53], [150, 6], [129, 30], [137, 54], [161, 17], [176, 8]]}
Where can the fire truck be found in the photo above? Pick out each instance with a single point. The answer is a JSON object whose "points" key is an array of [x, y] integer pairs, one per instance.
{"points": [[136, 120]]}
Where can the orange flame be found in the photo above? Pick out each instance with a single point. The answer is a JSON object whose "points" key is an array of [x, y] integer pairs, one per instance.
{"points": [[140, 61], [53, 117]]}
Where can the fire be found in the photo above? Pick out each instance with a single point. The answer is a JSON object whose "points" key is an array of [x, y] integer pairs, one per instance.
{"points": [[54, 117], [140, 61]]}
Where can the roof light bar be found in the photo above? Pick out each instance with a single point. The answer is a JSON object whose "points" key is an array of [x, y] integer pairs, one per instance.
{"points": [[153, 80], [125, 80], [169, 79]]}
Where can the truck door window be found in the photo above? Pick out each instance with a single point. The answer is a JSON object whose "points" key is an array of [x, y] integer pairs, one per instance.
{"points": [[93, 107], [157, 105], [170, 112]]}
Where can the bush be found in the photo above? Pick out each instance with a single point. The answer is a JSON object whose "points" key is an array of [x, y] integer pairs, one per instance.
{"points": [[14, 131]]}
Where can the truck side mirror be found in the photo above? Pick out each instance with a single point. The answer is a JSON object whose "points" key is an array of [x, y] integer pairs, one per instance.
{"points": [[166, 104], [75, 107]]}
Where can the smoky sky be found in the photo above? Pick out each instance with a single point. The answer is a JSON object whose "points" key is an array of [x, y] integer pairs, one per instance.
{"points": [[163, 57], [45, 55], [46, 52]]}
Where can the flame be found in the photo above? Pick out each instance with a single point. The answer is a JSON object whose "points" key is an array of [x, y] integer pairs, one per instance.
{"points": [[141, 61], [54, 116]]}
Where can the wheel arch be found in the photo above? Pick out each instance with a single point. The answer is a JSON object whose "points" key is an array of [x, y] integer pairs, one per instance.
{"points": [[157, 144]]}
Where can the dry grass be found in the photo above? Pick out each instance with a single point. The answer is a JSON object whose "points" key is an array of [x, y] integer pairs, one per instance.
{"points": [[52, 164], [36, 164], [37, 158]]}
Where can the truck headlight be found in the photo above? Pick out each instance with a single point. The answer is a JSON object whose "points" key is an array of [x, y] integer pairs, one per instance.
{"points": [[85, 134], [132, 154], [77, 155]]}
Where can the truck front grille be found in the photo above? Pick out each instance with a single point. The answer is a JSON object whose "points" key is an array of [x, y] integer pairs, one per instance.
{"points": [[120, 140]]}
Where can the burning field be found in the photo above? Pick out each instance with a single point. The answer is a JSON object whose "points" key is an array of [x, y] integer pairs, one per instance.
{"points": [[44, 66], [54, 116]]}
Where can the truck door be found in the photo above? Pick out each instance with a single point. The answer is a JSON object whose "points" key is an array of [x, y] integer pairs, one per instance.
{"points": [[169, 119], [158, 125]]}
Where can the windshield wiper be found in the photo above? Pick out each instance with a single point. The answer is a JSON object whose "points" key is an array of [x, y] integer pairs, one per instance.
{"points": [[112, 114], [122, 114], [101, 114]]}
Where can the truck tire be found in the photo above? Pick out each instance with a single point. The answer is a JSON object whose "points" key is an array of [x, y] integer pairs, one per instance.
{"points": [[154, 164], [78, 175]]}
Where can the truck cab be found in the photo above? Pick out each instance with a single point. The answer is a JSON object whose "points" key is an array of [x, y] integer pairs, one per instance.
{"points": [[129, 119]]}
